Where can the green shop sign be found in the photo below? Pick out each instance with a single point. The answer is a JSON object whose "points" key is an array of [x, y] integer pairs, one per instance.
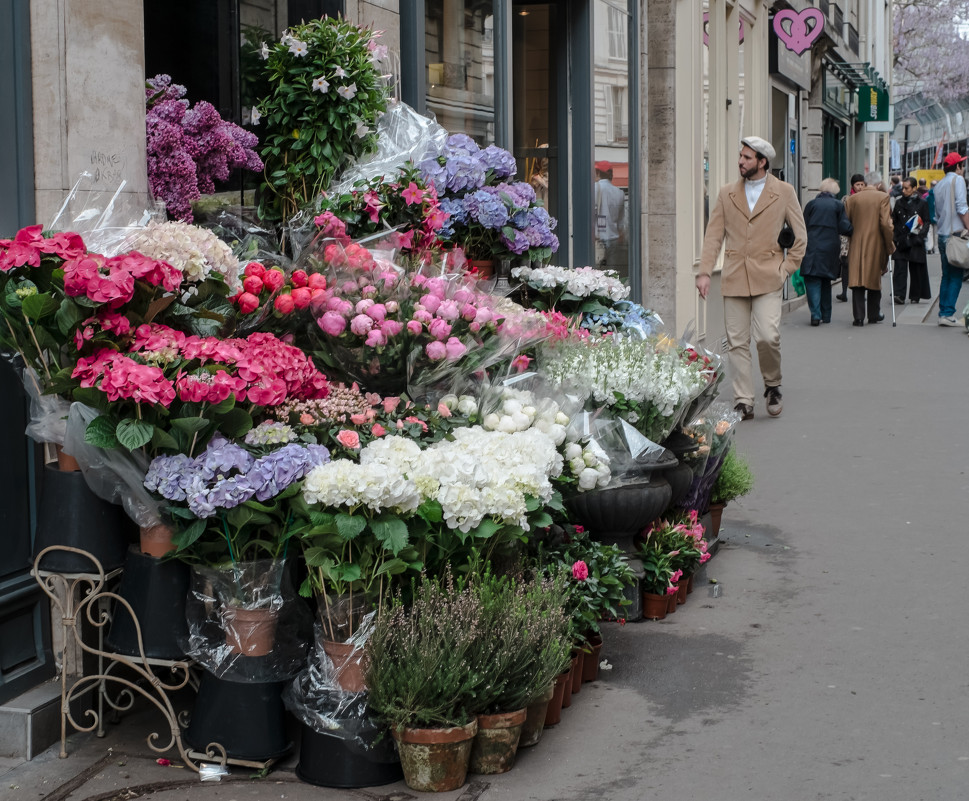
{"points": [[872, 104]]}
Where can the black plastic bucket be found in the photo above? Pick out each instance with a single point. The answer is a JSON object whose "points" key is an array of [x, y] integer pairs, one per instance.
{"points": [[69, 513], [329, 760], [246, 718], [156, 590]]}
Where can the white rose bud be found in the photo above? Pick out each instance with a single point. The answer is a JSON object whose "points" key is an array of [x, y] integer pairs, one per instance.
{"points": [[590, 458], [491, 421], [562, 419], [507, 424], [450, 401], [557, 433], [588, 478], [467, 405], [573, 450]]}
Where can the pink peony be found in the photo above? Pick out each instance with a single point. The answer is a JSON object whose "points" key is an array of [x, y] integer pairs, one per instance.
{"points": [[248, 303], [299, 278], [375, 338], [301, 297], [430, 302], [448, 310], [455, 349], [284, 304], [439, 329], [414, 327], [361, 325], [580, 571], [391, 328], [254, 268], [253, 284], [435, 351], [377, 312]]}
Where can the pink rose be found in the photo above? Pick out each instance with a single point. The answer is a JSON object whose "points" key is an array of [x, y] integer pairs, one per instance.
{"points": [[307, 419], [378, 430], [443, 410], [391, 403], [348, 439], [332, 324], [580, 571], [435, 351]]}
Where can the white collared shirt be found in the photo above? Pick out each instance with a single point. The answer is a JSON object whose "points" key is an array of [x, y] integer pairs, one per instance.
{"points": [[753, 190]]}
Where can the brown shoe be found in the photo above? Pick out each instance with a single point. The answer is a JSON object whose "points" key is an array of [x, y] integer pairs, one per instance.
{"points": [[746, 412]]}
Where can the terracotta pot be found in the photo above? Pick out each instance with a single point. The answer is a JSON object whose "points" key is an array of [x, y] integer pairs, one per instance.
{"points": [[496, 743], [156, 540], [654, 606], [590, 662], [670, 603], [534, 724], [554, 712], [681, 588], [250, 632], [579, 671], [435, 760], [716, 513], [689, 583], [484, 268], [567, 695], [65, 461], [347, 664]]}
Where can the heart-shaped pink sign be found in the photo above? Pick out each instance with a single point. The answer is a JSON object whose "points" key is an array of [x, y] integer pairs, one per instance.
{"points": [[797, 36]]}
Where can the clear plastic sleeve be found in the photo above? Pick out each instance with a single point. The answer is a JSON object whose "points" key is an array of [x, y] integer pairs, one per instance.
{"points": [[48, 413], [245, 623], [116, 475], [721, 423]]}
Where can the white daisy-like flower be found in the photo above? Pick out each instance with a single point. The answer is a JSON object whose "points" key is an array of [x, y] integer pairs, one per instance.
{"points": [[298, 48], [321, 85], [340, 72], [263, 51], [255, 115], [347, 92]]}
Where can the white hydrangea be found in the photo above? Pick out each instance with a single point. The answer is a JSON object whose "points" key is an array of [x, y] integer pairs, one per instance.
{"points": [[196, 252], [344, 483], [582, 282], [395, 451]]}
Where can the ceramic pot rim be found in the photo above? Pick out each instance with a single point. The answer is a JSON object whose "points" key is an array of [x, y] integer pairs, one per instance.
{"points": [[430, 736], [503, 720]]}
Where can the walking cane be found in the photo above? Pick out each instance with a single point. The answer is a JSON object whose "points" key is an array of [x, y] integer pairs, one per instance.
{"points": [[891, 284]]}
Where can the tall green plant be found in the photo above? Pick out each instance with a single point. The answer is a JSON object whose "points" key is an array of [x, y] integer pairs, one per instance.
{"points": [[736, 479], [326, 92]]}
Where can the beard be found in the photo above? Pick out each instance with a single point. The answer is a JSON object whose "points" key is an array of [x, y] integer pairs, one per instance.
{"points": [[749, 172]]}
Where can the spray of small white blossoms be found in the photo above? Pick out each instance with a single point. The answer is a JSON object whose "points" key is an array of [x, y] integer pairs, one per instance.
{"points": [[583, 282]]}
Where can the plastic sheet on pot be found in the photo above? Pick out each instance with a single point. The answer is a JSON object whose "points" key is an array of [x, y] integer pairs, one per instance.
{"points": [[245, 623], [721, 422], [317, 700], [48, 413]]}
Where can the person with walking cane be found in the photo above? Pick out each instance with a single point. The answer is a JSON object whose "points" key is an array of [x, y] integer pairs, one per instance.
{"points": [[871, 244]]}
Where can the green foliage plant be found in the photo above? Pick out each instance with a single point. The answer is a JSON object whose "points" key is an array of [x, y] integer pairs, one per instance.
{"points": [[736, 479], [326, 93]]}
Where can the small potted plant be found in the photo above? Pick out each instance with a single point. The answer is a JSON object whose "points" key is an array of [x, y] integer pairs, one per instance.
{"points": [[734, 481], [659, 582], [419, 683]]}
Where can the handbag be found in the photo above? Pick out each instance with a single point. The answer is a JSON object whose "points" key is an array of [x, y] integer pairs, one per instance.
{"points": [[786, 237], [956, 248]]}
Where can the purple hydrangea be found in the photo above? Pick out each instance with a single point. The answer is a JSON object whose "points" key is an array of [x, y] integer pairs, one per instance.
{"points": [[464, 173], [486, 207], [460, 143], [499, 161], [274, 472], [169, 476]]}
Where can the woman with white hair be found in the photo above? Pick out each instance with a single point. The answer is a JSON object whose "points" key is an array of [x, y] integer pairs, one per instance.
{"points": [[825, 220]]}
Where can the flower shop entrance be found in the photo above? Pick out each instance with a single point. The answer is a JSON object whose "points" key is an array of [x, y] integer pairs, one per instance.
{"points": [[25, 658]]}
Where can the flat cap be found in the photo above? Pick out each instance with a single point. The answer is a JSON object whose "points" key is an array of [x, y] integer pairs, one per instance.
{"points": [[761, 146]]}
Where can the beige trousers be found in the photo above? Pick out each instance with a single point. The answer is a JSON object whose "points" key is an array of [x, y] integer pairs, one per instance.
{"points": [[760, 317]]}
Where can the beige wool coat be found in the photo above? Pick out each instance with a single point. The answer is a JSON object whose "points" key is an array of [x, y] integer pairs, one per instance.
{"points": [[753, 262], [872, 241]]}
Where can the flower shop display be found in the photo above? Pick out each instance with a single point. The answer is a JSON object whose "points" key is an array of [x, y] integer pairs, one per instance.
{"points": [[571, 290], [489, 216], [326, 90], [659, 579], [190, 148], [681, 537]]}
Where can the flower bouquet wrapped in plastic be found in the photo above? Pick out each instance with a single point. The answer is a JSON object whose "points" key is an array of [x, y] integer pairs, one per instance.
{"points": [[718, 423]]}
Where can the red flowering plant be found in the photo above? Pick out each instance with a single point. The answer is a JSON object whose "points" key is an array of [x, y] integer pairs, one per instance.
{"points": [[169, 392], [407, 204], [681, 539]]}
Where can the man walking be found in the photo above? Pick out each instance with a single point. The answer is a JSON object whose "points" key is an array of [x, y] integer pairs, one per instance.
{"points": [[952, 216], [746, 220], [871, 244], [610, 213]]}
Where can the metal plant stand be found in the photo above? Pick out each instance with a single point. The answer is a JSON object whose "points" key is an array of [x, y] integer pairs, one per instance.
{"points": [[87, 595]]}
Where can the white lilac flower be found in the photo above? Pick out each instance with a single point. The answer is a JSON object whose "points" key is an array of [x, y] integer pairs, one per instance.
{"points": [[321, 85]]}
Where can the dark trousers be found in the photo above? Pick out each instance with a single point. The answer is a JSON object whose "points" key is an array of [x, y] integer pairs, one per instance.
{"points": [[874, 302], [818, 292], [844, 277], [920, 280]]}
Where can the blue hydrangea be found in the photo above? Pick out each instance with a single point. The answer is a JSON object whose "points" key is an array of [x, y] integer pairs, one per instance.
{"points": [[499, 161]]}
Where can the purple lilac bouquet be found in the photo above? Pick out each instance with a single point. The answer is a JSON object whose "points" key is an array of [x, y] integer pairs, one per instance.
{"points": [[232, 503], [189, 149], [489, 215]]}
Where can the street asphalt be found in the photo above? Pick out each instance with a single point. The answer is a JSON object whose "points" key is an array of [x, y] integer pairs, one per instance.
{"points": [[827, 661]]}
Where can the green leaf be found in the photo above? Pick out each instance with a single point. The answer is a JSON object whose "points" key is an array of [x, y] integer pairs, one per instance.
{"points": [[391, 532], [36, 307], [349, 526], [100, 433], [235, 423], [162, 440], [189, 425], [132, 434], [187, 537], [485, 529], [541, 520]]}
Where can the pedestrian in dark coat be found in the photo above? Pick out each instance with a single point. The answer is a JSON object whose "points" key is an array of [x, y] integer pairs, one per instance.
{"points": [[825, 220], [871, 244], [910, 218]]}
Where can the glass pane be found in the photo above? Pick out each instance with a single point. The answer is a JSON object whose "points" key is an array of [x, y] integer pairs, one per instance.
{"points": [[610, 172], [460, 57], [535, 143]]}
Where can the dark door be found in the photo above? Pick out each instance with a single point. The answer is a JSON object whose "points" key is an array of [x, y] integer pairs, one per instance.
{"points": [[25, 657]]}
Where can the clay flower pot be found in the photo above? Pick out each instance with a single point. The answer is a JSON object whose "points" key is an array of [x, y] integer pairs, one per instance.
{"points": [[435, 760], [554, 712], [682, 587], [536, 714], [670, 603], [156, 540], [496, 743], [590, 662], [654, 606], [578, 671], [250, 632], [716, 513], [347, 664]]}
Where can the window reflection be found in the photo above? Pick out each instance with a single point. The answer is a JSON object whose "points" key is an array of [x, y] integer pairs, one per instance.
{"points": [[610, 216], [459, 36]]}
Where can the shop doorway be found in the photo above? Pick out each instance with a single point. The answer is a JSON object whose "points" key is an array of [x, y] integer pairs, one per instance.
{"points": [[834, 156]]}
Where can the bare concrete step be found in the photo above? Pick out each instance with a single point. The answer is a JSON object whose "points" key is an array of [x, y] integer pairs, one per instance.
{"points": [[31, 723]]}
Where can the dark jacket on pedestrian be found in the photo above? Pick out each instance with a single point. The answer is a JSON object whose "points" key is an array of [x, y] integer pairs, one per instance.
{"points": [[909, 246], [825, 220]]}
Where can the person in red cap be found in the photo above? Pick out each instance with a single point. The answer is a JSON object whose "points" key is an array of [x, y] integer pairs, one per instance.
{"points": [[952, 216], [746, 222], [610, 216]]}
